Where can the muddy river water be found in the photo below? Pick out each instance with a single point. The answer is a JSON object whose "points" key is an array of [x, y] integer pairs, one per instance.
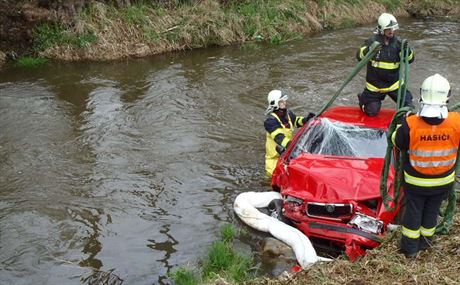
{"points": [[131, 167]]}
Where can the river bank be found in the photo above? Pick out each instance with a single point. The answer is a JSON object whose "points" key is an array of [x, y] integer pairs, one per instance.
{"points": [[385, 265], [95, 30]]}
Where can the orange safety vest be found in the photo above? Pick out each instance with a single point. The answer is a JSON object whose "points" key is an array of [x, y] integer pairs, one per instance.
{"points": [[433, 148]]}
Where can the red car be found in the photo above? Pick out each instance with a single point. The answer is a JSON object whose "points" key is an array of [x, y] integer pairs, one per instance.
{"points": [[329, 178]]}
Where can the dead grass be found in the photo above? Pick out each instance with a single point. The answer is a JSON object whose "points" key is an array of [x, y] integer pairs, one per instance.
{"points": [[424, 8], [347, 15], [143, 30], [385, 265]]}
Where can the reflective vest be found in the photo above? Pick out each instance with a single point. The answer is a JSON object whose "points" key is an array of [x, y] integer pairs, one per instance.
{"points": [[433, 150], [271, 155]]}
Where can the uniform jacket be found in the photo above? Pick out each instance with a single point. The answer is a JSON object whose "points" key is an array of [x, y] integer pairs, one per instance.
{"points": [[431, 147], [383, 69]]}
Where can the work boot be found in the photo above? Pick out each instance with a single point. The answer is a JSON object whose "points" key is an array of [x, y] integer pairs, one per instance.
{"points": [[408, 255], [425, 243], [409, 247], [412, 255]]}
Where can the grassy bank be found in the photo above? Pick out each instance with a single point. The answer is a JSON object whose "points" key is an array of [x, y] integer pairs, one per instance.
{"points": [[385, 265], [103, 32]]}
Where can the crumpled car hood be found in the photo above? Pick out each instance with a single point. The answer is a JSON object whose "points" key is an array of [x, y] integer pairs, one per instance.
{"points": [[334, 179]]}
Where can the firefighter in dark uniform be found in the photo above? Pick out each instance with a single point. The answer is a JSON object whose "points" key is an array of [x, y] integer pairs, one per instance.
{"points": [[382, 77], [430, 141], [279, 124]]}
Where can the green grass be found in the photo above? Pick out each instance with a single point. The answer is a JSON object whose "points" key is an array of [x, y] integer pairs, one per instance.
{"points": [[182, 276], [220, 257], [228, 233], [221, 261], [136, 15], [50, 35], [270, 19], [30, 62]]}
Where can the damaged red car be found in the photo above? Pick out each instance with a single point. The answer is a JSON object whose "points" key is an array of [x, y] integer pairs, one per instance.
{"points": [[329, 178]]}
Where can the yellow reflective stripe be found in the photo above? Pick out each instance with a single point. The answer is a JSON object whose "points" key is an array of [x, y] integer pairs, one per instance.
{"points": [[278, 119], [276, 132], [372, 88], [281, 123], [393, 135], [361, 52], [410, 233], [427, 232], [385, 65], [429, 182], [299, 121], [411, 55], [285, 142]]}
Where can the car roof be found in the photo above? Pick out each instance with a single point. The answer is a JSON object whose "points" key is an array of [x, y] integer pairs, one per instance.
{"points": [[354, 115]]}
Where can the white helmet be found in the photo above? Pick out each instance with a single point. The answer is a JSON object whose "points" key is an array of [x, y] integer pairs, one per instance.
{"points": [[274, 97], [387, 21], [434, 95]]}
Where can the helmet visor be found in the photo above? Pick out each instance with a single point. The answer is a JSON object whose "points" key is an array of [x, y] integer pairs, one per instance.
{"points": [[284, 98], [393, 26]]}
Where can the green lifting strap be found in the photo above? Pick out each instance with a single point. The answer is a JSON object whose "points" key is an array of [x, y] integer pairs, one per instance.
{"points": [[372, 51], [403, 74], [449, 212], [398, 164], [401, 111]]}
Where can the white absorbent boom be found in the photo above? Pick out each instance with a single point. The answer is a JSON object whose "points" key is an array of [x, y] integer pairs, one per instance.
{"points": [[245, 206]]}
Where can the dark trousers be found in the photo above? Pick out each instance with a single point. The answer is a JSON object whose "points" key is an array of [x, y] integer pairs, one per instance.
{"points": [[420, 211], [371, 102]]}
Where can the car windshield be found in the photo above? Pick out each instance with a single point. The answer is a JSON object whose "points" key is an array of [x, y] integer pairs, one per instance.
{"points": [[327, 137]]}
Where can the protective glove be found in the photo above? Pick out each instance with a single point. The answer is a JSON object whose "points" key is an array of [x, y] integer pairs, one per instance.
{"points": [[308, 117], [377, 48], [406, 44], [280, 149]]}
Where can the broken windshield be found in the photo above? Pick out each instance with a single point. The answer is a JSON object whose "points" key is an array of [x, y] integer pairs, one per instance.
{"points": [[326, 137]]}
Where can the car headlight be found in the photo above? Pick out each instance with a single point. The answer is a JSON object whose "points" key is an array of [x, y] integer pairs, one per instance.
{"points": [[294, 200], [367, 224]]}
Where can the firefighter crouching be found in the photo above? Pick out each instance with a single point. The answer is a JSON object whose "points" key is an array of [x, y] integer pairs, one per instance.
{"points": [[430, 140], [279, 125], [382, 75]]}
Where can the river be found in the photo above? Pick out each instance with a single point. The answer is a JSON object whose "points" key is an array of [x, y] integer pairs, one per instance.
{"points": [[131, 167]]}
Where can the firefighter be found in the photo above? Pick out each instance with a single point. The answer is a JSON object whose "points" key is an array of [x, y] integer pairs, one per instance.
{"points": [[382, 77], [430, 142], [279, 124]]}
